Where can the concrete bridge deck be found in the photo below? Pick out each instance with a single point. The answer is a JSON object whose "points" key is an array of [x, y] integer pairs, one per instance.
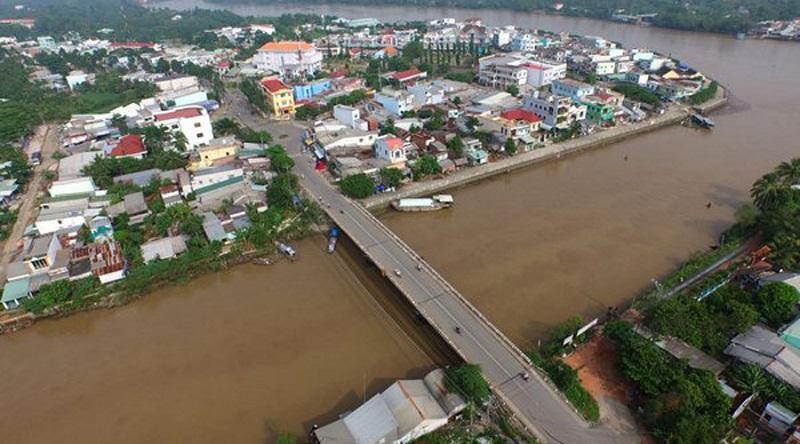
{"points": [[535, 402]]}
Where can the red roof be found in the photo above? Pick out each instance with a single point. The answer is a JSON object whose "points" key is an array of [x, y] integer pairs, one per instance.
{"points": [[409, 74], [224, 64], [273, 85], [394, 143], [338, 73], [183, 113], [520, 114], [535, 66], [129, 145], [603, 95]]}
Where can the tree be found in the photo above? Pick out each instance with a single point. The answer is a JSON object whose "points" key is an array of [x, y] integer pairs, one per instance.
{"points": [[280, 161], [281, 191], [513, 90], [777, 302], [510, 147], [456, 145], [472, 122], [467, 380], [749, 378], [359, 186], [227, 127], [768, 192], [426, 166], [789, 172], [286, 438], [391, 177]]}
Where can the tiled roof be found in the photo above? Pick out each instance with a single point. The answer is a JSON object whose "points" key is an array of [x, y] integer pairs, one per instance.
{"points": [[394, 143], [520, 114], [183, 113], [287, 46], [407, 74], [129, 145], [273, 85]]}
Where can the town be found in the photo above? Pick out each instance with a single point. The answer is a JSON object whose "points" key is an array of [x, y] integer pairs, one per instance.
{"points": [[176, 159]]}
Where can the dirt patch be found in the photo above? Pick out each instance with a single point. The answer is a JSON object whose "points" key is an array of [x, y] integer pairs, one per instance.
{"points": [[595, 362]]}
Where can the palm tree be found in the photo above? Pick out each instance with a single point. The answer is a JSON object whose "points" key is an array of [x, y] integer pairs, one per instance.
{"points": [[750, 378], [789, 172], [768, 191]]}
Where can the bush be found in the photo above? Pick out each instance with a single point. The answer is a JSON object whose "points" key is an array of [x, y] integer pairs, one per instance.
{"points": [[637, 93], [359, 186], [777, 302], [426, 166], [467, 380], [566, 379], [705, 94]]}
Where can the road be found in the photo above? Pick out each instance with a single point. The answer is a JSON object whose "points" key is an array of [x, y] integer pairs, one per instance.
{"points": [[45, 136], [535, 402]]}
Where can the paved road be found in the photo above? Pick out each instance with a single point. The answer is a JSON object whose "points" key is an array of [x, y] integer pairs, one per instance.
{"points": [[535, 402]]}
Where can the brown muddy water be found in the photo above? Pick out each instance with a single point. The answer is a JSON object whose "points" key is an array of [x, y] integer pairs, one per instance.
{"points": [[230, 357], [235, 356]]}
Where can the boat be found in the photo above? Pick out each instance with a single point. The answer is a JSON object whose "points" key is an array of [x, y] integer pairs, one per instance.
{"points": [[333, 236], [286, 249], [702, 121], [437, 202]]}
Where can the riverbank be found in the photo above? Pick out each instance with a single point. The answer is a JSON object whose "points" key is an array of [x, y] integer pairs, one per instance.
{"points": [[555, 151]]}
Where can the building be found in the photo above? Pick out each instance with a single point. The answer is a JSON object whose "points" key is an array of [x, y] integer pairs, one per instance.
{"points": [[67, 214], [193, 122], [427, 94], [765, 349], [571, 88], [404, 412], [396, 102], [524, 42], [217, 149], [130, 145], [72, 187], [305, 91], [518, 123], [288, 58], [166, 248], [105, 260], [179, 83], [134, 205], [279, 97], [597, 109], [556, 112], [347, 138], [170, 195], [409, 76], [350, 116], [541, 74], [210, 176], [391, 149], [502, 71]]}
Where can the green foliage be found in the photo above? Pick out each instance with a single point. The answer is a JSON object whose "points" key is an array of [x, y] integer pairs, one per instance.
{"points": [[566, 379], [254, 94], [460, 76], [103, 170], [227, 127], [456, 145], [353, 98], [777, 303], [467, 380], [513, 90], [391, 177], [358, 186], [681, 404], [7, 220], [19, 169], [705, 94], [637, 93], [281, 191], [286, 438], [280, 161], [510, 147], [307, 112], [425, 166], [65, 294]]}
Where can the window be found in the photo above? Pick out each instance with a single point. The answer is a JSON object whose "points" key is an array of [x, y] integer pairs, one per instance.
{"points": [[197, 125], [199, 135]]}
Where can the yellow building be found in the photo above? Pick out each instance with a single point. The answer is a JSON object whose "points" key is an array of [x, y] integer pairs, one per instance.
{"points": [[217, 149], [279, 97]]}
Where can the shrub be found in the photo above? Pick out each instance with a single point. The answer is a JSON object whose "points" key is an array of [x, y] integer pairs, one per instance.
{"points": [[359, 186]]}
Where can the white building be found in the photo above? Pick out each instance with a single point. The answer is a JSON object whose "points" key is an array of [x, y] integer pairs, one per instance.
{"points": [[77, 186], [396, 102], [211, 176], [391, 149], [350, 116], [605, 68], [57, 216], [77, 78], [524, 42], [572, 88], [556, 112], [179, 83], [542, 74], [289, 59], [347, 138], [426, 94], [192, 121]]}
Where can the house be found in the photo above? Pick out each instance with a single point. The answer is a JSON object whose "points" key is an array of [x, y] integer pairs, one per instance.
{"points": [[77, 78], [213, 228], [210, 176], [288, 58], [571, 88], [165, 248], [279, 97], [214, 195], [347, 138], [8, 189], [101, 227], [130, 145], [38, 255], [71, 167], [597, 110], [72, 187], [396, 102], [170, 195], [105, 260], [305, 91], [350, 116], [409, 76], [427, 94], [778, 418], [556, 112], [524, 42], [502, 71], [476, 156], [14, 292], [765, 349], [519, 122], [62, 215], [542, 74], [217, 149], [133, 205], [405, 411], [391, 149], [177, 83], [192, 121]]}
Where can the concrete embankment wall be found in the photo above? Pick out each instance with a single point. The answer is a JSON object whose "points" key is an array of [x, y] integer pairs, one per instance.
{"points": [[469, 175]]}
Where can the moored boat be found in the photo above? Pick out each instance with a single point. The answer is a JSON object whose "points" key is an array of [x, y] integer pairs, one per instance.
{"points": [[435, 203]]}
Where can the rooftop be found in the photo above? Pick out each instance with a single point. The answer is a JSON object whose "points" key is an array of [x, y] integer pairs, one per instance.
{"points": [[286, 46], [273, 85], [129, 145], [183, 113]]}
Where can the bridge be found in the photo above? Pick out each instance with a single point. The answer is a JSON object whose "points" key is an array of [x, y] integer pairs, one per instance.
{"points": [[535, 402]]}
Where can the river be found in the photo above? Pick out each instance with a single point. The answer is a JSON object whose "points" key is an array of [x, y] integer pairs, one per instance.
{"points": [[234, 356], [230, 357]]}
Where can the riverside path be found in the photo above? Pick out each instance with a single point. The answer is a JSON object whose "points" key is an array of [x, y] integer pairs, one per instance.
{"points": [[535, 402]]}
